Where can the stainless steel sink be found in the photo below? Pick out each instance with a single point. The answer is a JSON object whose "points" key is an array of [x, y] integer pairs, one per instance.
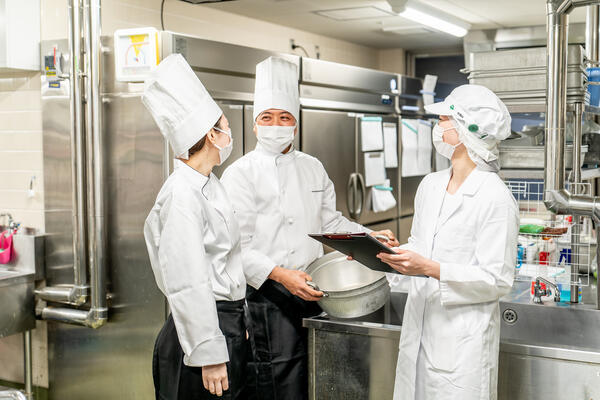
{"points": [[29, 248], [550, 350], [17, 312]]}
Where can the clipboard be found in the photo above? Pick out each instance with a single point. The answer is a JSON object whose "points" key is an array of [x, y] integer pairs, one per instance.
{"points": [[360, 246]]}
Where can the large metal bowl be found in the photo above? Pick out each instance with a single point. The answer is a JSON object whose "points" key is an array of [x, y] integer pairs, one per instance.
{"points": [[351, 289]]}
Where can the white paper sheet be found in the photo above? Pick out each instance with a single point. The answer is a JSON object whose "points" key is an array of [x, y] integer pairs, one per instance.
{"points": [[410, 147], [374, 168], [371, 134], [390, 145], [381, 199], [424, 145], [429, 88]]}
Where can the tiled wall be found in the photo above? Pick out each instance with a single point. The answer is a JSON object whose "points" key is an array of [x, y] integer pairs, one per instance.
{"points": [[21, 148]]}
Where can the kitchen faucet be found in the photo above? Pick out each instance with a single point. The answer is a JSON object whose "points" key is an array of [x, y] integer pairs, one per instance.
{"points": [[538, 292]]}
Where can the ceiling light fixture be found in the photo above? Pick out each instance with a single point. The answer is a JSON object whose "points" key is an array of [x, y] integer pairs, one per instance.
{"points": [[429, 16]]}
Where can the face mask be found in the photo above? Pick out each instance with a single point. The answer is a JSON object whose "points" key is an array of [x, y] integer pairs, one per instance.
{"points": [[445, 149], [275, 138], [224, 152]]}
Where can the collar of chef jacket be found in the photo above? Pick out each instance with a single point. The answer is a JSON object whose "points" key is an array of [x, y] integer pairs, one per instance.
{"points": [[196, 178], [278, 157]]}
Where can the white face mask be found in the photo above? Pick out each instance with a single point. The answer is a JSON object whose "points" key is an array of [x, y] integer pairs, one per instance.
{"points": [[445, 149], [275, 138], [224, 152]]}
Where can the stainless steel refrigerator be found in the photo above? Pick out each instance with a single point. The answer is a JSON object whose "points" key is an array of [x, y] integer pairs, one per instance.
{"points": [[335, 99]]}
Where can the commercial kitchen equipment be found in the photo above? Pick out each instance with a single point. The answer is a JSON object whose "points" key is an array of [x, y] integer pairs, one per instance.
{"points": [[350, 289], [105, 161], [335, 101], [544, 351], [17, 281]]}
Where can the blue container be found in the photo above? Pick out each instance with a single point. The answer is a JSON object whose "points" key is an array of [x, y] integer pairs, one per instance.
{"points": [[594, 90]]}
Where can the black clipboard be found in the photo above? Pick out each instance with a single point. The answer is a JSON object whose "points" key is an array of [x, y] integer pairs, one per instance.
{"points": [[360, 246]]}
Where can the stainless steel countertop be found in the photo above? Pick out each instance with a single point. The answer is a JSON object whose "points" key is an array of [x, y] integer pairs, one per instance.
{"points": [[13, 277], [553, 330]]}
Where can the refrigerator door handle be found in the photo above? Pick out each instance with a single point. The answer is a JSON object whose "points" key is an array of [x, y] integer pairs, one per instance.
{"points": [[351, 195], [360, 194]]}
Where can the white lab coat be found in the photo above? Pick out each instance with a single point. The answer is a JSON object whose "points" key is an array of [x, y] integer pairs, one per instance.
{"points": [[193, 240], [451, 328], [279, 199]]}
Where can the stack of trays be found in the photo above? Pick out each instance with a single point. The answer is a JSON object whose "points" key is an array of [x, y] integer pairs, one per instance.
{"points": [[518, 77]]}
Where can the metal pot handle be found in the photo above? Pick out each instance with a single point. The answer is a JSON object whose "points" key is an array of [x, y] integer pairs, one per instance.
{"points": [[314, 286]]}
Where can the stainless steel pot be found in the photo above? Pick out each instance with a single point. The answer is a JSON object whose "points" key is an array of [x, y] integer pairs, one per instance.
{"points": [[351, 289]]}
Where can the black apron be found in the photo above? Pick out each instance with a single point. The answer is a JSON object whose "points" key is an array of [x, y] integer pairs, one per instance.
{"points": [[280, 343], [173, 380]]}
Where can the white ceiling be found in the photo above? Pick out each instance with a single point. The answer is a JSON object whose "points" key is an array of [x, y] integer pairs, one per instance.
{"points": [[481, 14]]}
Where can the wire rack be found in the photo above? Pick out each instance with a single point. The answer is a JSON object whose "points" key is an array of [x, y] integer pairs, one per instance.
{"points": [[563, 245]]}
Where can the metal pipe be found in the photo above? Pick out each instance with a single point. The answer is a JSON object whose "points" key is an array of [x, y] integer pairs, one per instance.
{"points": [[556, 198], [96, 316], [91, 318], [96, 218], [576, 227], [591, 34], [28, 365], [555, 104], [597, 266], [77, 294]]}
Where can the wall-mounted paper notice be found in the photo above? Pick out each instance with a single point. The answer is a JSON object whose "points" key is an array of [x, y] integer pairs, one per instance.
{"points": [[410, 147], [424, 143], [429, 89], [374, 168], [371, 134], [390, 145]]}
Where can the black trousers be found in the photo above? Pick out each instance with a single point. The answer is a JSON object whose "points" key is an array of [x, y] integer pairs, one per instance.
{"points": [[173, 380], [280, 343]]}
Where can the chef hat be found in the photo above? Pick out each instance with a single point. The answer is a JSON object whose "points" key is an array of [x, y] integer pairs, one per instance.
{"points": [[276, 86], [179, 103]]}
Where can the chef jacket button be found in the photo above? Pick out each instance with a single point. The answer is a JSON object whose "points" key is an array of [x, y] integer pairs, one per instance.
{"points": [[290, 221], [292, 251]]}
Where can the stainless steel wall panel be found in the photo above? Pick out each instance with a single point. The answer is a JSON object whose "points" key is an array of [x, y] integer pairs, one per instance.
{"points": [[228, 87], [523, 377], [392, 225], [113, 362], [340, 99], [59, 246], [404, 225], [407, 194], [118, 355], [327, 73], [249, 135], [329, 136], [218, 56]]}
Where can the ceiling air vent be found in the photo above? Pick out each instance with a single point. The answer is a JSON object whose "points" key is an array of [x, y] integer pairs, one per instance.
{"points": [[205, 1], [349, 14]]}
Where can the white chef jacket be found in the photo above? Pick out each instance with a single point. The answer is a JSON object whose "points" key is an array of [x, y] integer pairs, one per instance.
{"points": [[193, 241], [451, 328], [279, 199]]}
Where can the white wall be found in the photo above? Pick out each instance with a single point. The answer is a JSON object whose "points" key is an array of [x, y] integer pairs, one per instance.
{"points": [[212, 24]]}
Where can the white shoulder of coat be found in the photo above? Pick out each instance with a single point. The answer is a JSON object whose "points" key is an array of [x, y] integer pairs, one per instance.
{"points": [[496, 191], [239, 167], [309, 160]]}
